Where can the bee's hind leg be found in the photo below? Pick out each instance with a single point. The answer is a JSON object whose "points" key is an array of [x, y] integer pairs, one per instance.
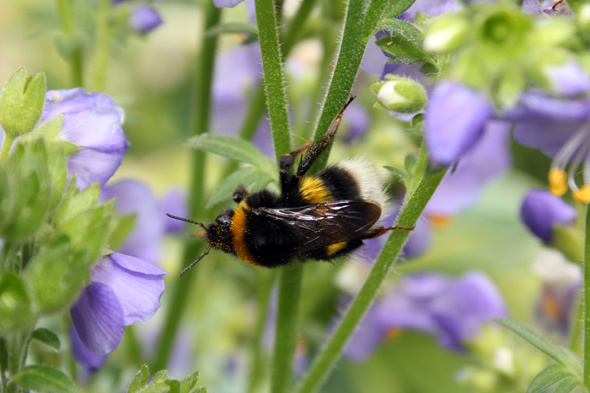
{"points": [[318, 148], [376, 232], [240, 193]]}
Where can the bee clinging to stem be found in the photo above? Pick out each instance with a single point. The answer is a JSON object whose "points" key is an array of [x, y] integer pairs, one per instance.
{"points": [[324, 216]]}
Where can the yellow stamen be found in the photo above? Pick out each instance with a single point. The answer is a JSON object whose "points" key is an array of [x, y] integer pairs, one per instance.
{"points": [[557, 181], [583, 194]]}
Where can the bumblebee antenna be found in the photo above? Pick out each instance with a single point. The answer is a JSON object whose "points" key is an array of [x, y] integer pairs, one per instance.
{"points": [[187, 220], [195, 262]]}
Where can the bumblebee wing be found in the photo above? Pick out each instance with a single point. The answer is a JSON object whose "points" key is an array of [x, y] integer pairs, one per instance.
{"points": [[324, 224]]}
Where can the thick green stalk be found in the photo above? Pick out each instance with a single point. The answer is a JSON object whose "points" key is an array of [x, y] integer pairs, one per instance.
{"points": [[66, 12], [409, 214], [103, 43], [6, 145], [203, 80], [587, 302]]}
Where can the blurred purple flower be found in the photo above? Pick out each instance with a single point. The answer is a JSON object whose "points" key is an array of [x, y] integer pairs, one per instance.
{"points": [[452, 309], [90, 361], [123, 290], [174, 202], [568, 79], [92, 121], [144, 19], [540, 211], [357, 120], [134, 197], [455, 119], [226, 3], [431, 7]]}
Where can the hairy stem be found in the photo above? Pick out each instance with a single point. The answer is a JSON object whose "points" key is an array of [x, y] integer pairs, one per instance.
{"points": [[66, 12], [103, 43]]}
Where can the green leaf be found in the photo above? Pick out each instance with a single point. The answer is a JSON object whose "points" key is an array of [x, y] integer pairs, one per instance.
{"points": [[399, 173], [232, 28], [232, 148], [161, 375], [43, 379], [549, 376], [410, 163], [560, 355], [398, 7], [15, 304], [47, 337], [246, 176], [174, 386], [157, 387], [189, 383], [567, 385], [405, 43], [139, 380]]}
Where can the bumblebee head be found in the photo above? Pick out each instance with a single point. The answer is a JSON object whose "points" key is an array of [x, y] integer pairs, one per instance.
{"points": [[219, 232]]}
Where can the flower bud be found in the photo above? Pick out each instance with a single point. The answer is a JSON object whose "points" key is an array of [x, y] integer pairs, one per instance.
{"points": [[22, 102], [400, 94], [144, 19], [446, 34]]}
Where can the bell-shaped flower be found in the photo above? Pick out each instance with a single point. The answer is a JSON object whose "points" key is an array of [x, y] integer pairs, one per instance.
{"points": [[567, 79], [541, 211], [93, 122], [144, 19], [123, 290], [89, 361]]}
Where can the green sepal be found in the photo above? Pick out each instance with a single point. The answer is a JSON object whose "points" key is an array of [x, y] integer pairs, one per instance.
{"points": [[139, 380], [44, 379], [47, 337], [56, 275], [511, 84], [16, 310], [21, 102], [161, 375], [124, 226], [419, 118], [246, 176], [405, 43], [188, 384], [80, 201]]}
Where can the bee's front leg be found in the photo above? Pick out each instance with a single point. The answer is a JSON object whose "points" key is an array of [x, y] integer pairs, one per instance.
{"points": [[240, 193]]}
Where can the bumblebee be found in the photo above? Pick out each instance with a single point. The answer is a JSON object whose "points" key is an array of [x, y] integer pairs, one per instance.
{"points": [[323, 217]]}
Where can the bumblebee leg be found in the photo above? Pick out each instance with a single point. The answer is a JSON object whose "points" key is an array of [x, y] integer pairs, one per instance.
{"points": [[383, 230], [287, 160], [240, 193], [318, 148]]}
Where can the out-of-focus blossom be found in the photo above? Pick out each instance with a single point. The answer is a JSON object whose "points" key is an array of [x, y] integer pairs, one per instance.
{"points": [[93, 122], [568, 79], [90, 361], [123, 290], [455, 119], [144, 18], [430, 7], [134, 197], [562, 281], [452, 309], [174, 202], [358, 121], [540, 211], [226, 3]]}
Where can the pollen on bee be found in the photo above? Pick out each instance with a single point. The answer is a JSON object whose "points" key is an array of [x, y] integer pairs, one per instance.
{"points": [[557, 181]]}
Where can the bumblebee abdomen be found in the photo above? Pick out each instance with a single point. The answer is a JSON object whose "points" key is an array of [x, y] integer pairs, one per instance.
{"points": [[271, 243]]}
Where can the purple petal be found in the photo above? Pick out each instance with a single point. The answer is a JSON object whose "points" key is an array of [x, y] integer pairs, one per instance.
{"points": [[137, 284], [489, 159], [397, 310], [90, 361], [134, 197], [430, 7], [540, 211], [174, 202], [568, 79], [455, 121], [144, 19], [419, 241], [358, 120], [532, 7], [373, 59], [91, 166], [226, 3], [98, 318], [366, 338]]}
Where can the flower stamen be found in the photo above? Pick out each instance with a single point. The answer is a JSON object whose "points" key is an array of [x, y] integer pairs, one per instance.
{"points": [[573, 152]]}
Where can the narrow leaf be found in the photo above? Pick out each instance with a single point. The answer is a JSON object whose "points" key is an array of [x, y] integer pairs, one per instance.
{"points": [[233, 148], [139, 380], [567, 385], [399, 173], [246, 176], [47, 337], [560, 355], [398, 7], [188, 384], [43, 379], [549, 376]]}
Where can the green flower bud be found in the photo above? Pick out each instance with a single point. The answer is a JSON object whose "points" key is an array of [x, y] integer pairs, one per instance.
{"points": [[446, 33], [503, 29], [22, 102], [400, 95], [15, 304]]}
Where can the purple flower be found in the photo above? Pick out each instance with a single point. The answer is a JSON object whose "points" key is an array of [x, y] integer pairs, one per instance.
{"points": [[174, 202], [455, 120], [540, 211], [134, 197], [123, 290], [144, 19], [90, 361], [431, 7], [92, 121], [452, 309], [568, 79], [226, 3]]}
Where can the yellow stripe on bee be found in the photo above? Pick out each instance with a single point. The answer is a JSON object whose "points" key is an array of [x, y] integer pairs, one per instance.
{"points": [[238, 232], [314, 190], [334, 248], [557, 181]]}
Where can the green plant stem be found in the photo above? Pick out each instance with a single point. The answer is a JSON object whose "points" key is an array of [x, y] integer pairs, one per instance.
{"points": [[412, 208], [587, 302], [577, 323], [6, 145], [203, 80], [66, 11], [103, 43]]}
